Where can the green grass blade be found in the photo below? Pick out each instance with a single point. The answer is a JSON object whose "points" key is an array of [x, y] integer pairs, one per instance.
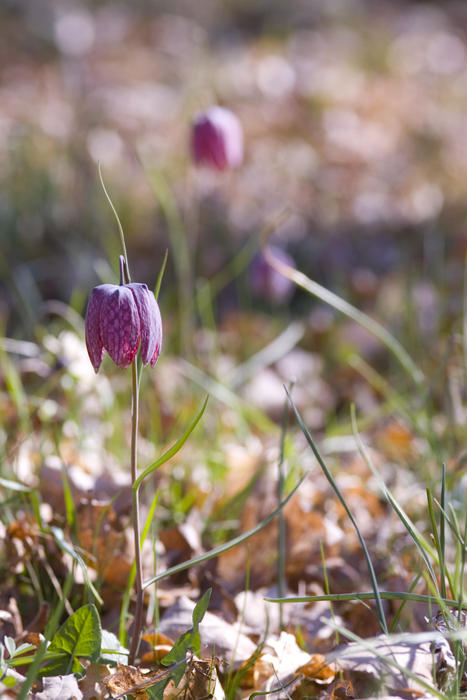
{"points": [[337, 491], [385, 595], [179, 246], [421, 543], [228, 545], [161, 275], [372, 326], [401, 607], [281, 584], [70, 510], [442, 535], [272, 352], [436, 538], [172, 450], [117, 218], [223, 394]]}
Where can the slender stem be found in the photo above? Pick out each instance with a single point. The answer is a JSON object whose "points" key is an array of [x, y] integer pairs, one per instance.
{"points": [[138, 620]]}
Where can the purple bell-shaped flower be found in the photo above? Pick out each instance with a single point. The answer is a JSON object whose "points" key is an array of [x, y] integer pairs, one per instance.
{"points": [[267, 282], [217, 139], [120, 319]]}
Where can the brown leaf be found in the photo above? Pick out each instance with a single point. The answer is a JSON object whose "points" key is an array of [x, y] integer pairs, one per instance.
{"points": [[318, 670], [99, 535], [199, 682], [128, 679], [92, 684]]}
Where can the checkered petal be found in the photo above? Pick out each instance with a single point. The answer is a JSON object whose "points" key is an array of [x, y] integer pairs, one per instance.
{"points": [[151, 322]]}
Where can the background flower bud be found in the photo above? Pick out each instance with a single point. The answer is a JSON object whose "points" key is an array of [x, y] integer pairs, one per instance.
{"points": [[217, 139], [268, 283]]}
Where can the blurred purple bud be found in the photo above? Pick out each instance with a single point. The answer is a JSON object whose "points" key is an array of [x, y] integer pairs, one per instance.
{"points": [[118, 319], [268, 283], [217, 139]]}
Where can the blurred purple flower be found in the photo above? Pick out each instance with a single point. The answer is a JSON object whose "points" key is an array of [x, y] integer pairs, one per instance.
{"points": [[118, 319], [267, 282], [217, 139]]}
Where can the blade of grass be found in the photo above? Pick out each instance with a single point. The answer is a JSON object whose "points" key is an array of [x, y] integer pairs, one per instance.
{"points": [[272, 352], [401, 607], [337, 491], [421, 543], [452, 522], [117, 218], [434, 531], [180, 248], [239, 262], [70, 510], [227, 397], [442, 535], [369, 595], [172, 450], [326, 585], [231, 682], [281, 585], [336, 302], [228, 545], [161, 275]]}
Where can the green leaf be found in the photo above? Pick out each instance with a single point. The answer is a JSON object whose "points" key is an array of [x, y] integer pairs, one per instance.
{"points": [[188, 641], [156, 692], [161, 274], [201, 607], [79, 636], [61, 665], [341, 498], [336, 302], [172, 450], [228, 545], [112, 652]]}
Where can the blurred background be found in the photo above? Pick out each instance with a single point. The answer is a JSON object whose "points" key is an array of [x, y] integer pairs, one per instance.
{"points": [[355, 161], [355, 149]]}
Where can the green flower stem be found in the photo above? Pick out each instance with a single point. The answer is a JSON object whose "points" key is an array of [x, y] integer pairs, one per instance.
{"points": [[138, 620]]}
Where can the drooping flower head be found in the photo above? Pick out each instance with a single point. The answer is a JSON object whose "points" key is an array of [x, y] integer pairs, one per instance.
{"points": [[217, 139], [266, 282], [120, 319]]}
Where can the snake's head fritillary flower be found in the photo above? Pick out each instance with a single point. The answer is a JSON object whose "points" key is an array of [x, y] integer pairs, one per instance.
{"points": [[119, 320], [267, 282], [217, 139]]}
